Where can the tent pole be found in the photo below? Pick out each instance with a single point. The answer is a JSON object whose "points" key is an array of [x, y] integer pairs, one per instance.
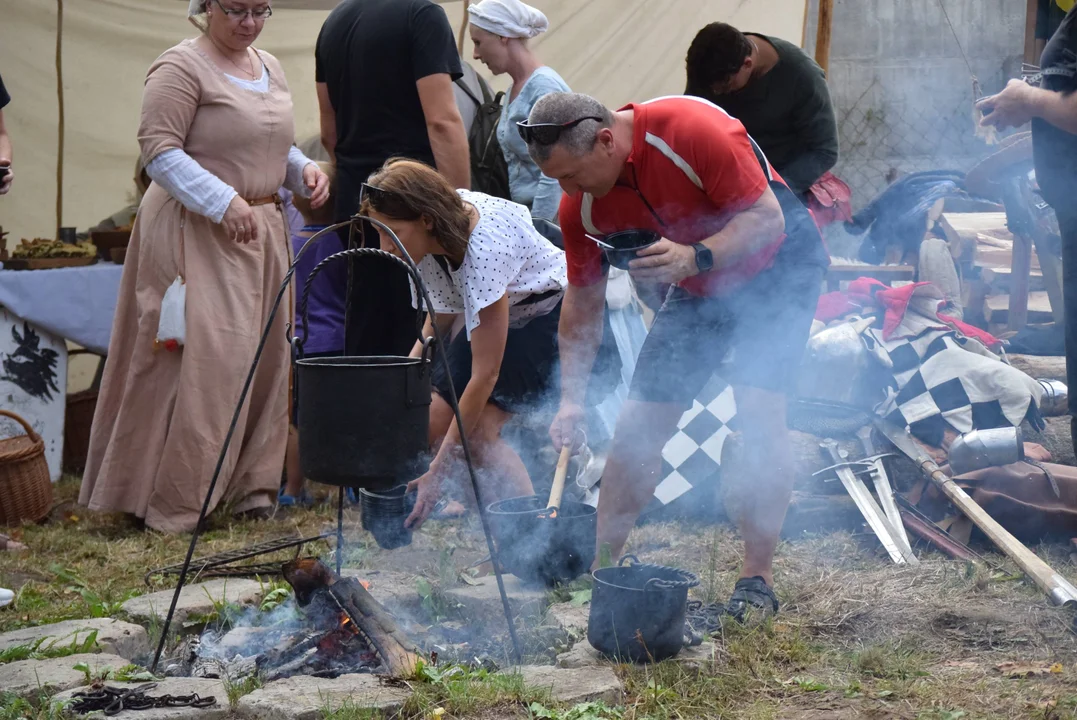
{"points": [[463, 30], [822, 34], [60, 122]]}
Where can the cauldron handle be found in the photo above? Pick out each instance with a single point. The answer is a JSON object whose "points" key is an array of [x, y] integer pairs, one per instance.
{"points": [[690, 580], [358, 252], [625, 558], [428, 353]]}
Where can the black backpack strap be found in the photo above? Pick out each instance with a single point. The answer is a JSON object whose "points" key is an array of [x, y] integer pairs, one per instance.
{"points": [[467, 91]]}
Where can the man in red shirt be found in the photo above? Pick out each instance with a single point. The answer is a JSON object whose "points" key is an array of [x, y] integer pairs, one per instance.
{"points": [[744, 262]]}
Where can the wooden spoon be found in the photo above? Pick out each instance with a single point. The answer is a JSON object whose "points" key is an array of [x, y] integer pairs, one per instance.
{"points": [[559, 479]]}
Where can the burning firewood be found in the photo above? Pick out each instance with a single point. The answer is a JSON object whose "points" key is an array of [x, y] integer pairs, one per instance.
{"points": [[360, 612]]}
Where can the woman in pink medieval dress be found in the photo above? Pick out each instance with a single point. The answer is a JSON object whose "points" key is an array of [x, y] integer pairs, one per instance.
{"points": [[216, 135]]}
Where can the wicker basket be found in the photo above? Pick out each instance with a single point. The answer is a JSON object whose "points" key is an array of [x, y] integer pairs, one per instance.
{"points": [[25, 487]]}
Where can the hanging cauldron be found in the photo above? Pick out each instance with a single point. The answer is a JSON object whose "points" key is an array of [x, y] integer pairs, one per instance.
{"points": [[363, 420]]}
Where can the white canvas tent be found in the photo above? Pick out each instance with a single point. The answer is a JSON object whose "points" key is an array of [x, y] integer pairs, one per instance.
{"points": [[617, 50]]}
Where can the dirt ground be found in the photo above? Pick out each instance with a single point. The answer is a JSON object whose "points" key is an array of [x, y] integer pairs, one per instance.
{"points": [[857, 637]]}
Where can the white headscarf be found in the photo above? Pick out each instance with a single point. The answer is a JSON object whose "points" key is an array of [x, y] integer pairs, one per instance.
{"points": [[197, 7], [508, 18]]}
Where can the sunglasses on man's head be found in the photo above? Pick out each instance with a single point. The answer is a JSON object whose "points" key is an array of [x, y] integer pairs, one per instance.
{"points": [[548, 133]]}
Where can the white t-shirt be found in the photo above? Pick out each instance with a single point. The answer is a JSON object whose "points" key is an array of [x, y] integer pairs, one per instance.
{"points": [[505, 255]]}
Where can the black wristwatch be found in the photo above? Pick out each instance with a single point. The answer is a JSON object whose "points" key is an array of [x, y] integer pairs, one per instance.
{"points": [[704, 257]]}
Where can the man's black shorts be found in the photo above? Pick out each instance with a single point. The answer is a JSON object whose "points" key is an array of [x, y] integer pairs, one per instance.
{"points": [[766, 324]]}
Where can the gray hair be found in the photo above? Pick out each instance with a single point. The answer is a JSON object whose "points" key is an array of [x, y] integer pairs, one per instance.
{"points": [[560, 108]]}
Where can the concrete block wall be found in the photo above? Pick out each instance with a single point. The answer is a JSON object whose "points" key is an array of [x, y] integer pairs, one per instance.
{"points": [[903, 91]]}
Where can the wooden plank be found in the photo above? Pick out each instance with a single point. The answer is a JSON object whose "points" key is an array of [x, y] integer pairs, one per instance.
{"points": [[1000, 278], [1022, 267], [988, 257], [996, 308], [965, 231], [1031, 11]]}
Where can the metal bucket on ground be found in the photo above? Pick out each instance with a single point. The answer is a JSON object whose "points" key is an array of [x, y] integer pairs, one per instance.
{"points": [[638, 611]]}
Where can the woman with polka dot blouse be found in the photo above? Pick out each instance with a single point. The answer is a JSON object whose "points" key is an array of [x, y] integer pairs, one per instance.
{"points": [[496, 286]]}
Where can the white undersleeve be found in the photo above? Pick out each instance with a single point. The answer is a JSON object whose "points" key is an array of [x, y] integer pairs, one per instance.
{"points": [[201, 191]]}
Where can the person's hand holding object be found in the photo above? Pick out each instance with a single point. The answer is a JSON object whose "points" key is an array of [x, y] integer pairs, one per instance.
{"points": [[1012, 107], [665, 262]]}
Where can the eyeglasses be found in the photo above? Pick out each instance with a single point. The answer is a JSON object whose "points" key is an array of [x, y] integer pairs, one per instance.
{"points": [[548, 133], [241, 15]]}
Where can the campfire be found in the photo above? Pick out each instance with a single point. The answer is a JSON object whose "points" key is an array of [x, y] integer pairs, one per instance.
{"points": [[335, 627]]}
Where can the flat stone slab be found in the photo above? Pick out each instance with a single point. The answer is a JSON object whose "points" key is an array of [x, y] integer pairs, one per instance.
{"points": [[582, 655], [197, 599], [172, 686], [30, 679], [482, 602], [113, 636], [309, 698], [570, 618], [571, 686]]}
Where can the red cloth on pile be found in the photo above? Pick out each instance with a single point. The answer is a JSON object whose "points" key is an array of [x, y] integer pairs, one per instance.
{"points": [[866, 293]]}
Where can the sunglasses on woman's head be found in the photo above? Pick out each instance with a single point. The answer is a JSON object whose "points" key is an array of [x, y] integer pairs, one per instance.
{"points": [[374, 193], [548, 133]]}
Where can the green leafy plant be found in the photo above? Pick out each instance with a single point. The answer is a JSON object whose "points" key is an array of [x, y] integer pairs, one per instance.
{"points": [[13, 707], [99, 605], [92, 676], [809, 684], [579, 598], [434, 601], [133, 673], [274, 598], [39, 650], [583, 711]]}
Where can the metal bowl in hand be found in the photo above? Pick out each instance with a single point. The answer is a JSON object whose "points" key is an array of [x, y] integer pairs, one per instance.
{"points": [[621, 247]]}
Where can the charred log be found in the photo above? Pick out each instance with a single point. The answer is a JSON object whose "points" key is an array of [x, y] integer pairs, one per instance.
{"points": [[309, 577]]}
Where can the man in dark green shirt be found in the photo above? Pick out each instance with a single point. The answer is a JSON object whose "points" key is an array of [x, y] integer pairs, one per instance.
{"points": [[776, 91]]}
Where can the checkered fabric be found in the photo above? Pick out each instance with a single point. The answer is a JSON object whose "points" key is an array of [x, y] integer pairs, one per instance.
{"points": [[692, 456], [942, 378]]}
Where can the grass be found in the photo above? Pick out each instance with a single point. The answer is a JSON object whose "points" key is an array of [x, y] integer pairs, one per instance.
{"points": [[857, 637], [13, 707], [43, 649], [460, 692], [237, 689]]}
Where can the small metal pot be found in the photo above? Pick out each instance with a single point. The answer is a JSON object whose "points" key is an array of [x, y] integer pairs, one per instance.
{"points": [[621, 247], [638, 611], [384, 514]]}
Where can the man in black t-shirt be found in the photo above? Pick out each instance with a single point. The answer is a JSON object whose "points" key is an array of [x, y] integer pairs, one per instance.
{"points": [[777, 92], [5, 144], [385, 72], [1052, 109]]}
